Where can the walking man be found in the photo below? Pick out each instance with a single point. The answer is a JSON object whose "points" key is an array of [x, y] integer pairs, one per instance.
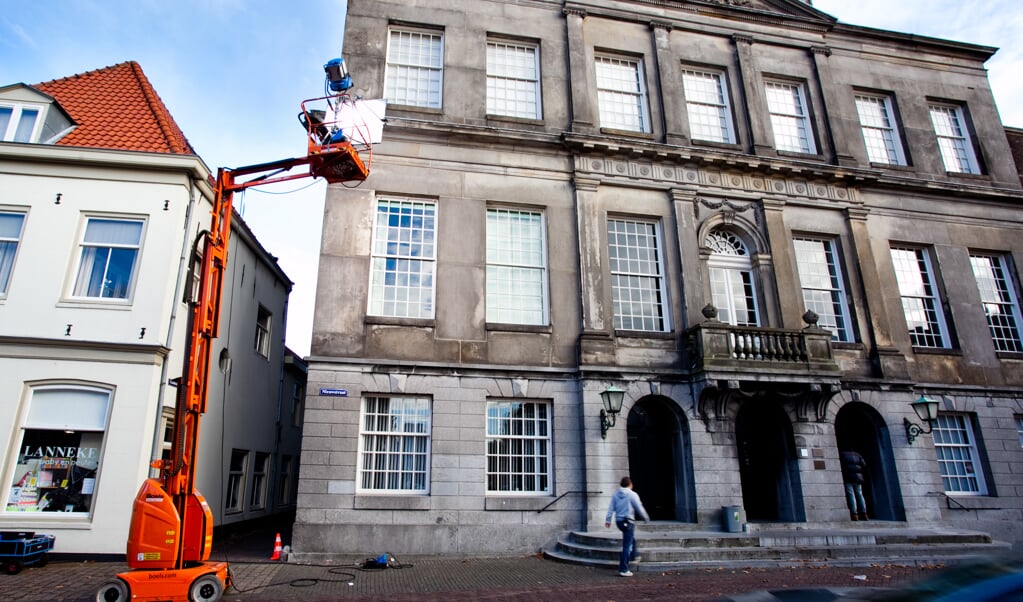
{"points": [[854, 468], [625, 504]]}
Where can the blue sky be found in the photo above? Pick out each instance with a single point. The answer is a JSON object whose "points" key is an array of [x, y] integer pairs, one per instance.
{"points": [[233, 73]]}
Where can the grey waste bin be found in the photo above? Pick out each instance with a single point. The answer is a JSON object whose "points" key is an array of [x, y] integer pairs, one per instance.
{"points": [[732, 516]]}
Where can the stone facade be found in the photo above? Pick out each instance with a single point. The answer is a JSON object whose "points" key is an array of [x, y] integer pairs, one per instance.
{"points": [[718, 410]]}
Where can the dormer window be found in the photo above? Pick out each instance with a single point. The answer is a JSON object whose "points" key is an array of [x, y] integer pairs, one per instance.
{"points": [[19, 123]]}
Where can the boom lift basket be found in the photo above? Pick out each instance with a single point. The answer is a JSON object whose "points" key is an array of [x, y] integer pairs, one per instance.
{"points": [[341, 135]]}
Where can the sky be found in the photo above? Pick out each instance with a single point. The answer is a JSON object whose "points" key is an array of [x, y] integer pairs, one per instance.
{"points": [[233, 73]]}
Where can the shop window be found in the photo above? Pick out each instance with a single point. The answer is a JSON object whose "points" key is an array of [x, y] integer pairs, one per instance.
{"points": [[59, 451]]}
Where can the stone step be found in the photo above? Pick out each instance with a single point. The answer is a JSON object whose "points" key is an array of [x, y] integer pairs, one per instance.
{"points": [[666, 549]]}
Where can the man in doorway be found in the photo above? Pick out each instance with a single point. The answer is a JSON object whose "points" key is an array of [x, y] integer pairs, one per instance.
{"points": [[625, 505], [854, 469]]}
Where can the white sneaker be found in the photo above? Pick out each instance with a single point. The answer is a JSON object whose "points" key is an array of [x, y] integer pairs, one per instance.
{"points": [[625, 574]]}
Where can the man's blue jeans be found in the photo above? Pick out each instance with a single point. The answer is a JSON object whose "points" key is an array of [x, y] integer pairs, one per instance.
{"points": [[854, 497], [628, 528]]}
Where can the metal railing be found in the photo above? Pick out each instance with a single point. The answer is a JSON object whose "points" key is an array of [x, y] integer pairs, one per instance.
{"points": [[558, 499]]}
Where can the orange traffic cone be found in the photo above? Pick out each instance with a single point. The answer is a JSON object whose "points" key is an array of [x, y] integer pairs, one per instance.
{"points": [[277, 548]]}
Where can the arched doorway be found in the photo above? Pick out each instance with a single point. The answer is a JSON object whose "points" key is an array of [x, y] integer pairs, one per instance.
{"points": [[768, 468], [661, 461], [860, 428]]}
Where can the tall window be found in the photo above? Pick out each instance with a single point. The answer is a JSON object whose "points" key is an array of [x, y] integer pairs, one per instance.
{"points": [[18, 123], [998, 294], [394, 445], [921, 302], [821, 278], [260, 468], [284, 480], [54, 466], [1019, 427], [262, 344], [637, 281], [415, 68], [958, 456], [710, 117], [731, 279], [10, 234], [236, 480], [109, 251], [513, 82], [404, 258], [877, 123], [790, 119], [518, 447], [621, 94], [953, 139], [516, 267]]}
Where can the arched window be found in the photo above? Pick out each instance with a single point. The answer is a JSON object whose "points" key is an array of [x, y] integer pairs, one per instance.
{"points": [[731, 279]]}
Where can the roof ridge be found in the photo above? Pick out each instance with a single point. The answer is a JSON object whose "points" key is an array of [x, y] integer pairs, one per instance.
{"points": [[175, 137]]}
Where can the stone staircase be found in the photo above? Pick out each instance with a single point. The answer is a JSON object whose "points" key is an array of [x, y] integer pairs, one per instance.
{"points": [[673, 546]]}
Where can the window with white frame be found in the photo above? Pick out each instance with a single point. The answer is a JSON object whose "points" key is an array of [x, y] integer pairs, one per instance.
{"points": [[109, 252], [621, 94], [11, 224], [710, 117], [236, 480], [260, 470], [820, 276], [732, 287], [637, 280], [518, 447], [394, 445], [958, 456], [998, 294], [263, 323], [516, 267], [877, 124], [790, 117], [513, 79], [404, 259], [921, 302], [59, 449], [284, 480], [415, 68], [953, 139], [20, 122]]}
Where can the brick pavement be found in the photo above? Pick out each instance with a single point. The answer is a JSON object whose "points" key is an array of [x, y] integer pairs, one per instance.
{"points": [[506, 579]]}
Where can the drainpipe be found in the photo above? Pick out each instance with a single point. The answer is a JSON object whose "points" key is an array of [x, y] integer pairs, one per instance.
{"points": [[186, 246], [272, 485]]}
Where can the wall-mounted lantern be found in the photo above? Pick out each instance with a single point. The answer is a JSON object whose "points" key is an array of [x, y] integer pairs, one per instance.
{"points": [[612, 399], [927, 410]]}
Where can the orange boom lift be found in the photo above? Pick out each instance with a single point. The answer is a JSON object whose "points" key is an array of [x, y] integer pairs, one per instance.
{"points": [[171, 532]]}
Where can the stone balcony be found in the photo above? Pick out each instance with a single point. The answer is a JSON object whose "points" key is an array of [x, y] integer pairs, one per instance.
{"points": [[729, 361]]}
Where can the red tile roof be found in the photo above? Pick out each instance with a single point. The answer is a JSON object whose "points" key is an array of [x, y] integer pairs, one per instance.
{"points": [[116, 107]]}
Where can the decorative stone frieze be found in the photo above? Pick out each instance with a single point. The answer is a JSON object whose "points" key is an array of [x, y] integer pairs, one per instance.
{"points": [[658, 173]]}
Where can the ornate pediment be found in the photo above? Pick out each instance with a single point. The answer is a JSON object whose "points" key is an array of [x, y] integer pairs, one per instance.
{"points": [[792, 8]]}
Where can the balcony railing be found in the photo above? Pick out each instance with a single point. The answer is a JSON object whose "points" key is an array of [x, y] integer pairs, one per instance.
{"points": [[718, 346]]}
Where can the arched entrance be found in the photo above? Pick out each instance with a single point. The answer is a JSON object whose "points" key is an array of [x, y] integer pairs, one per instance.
{"points": [[771, 489], [860, 428], [661, 460]]}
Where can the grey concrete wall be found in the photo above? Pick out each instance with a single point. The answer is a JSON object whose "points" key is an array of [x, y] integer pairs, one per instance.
{"points": [[578, 175]]}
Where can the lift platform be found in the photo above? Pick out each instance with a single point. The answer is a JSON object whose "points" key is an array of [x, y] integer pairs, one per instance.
{"points": [[171, 531]]}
